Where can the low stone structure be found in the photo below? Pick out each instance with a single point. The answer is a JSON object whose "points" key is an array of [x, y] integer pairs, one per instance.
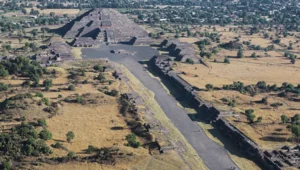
{"points": [[56, 52], [181, 50]]}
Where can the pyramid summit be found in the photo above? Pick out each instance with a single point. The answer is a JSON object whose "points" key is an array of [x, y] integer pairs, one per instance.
{"points": [[104, 25]]}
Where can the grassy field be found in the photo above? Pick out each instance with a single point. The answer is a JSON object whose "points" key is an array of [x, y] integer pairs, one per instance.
{"points": [[56, 11], [92, 123]]}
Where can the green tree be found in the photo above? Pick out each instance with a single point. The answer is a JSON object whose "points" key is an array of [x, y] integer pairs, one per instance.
{"points": [[293, 60], [52, 14], [131, 139], [259, 119], [71, 87], [189, 60], [3, 87], [296, 131], [240, 53], [284, 118], [264, 100], [295, 118], [98, 68], [253, 55], [42, 122], [3, 72], [101, 77], [70, 136], [47, 84], [226, 60], [209, 87], [45, 135], [70, 154], [7, 165], [250, 115]]}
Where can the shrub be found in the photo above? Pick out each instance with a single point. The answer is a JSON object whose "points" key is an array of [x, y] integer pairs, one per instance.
{"points": [[101, 77], [276, 104], [209, 87], [42, 122], [79, 99], [225, 99], [45, 135], [39, 94], [57, 145], [261, 84], [284, 118], [71, 87], [7, 165], [47, 83], [71, 155], [70, 136], [26, 83], [296, 130], [98, 68], [293, 60], [83, 73], [131, 139], [3, 87], [3, 72], [45, 101], [232, 103], [23, 118], [250, 115], [189, 60], [226, 60], [112, 92], [253, 55], [295, 118], [90, 149], [264, 100], [259, 119], [240, 53]]}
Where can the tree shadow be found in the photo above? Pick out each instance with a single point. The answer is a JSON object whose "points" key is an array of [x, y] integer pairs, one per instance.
{"points": [[59, 140], [274, 139]]}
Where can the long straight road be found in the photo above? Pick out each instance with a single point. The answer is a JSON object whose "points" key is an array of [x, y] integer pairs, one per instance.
{"points": [[213, 155]]}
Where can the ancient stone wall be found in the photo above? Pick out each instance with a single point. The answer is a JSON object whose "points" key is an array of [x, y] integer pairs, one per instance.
{"points": [[214, 115]]}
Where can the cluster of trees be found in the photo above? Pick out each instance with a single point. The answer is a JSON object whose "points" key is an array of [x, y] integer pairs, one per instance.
{"points": [[261, 86], [22, 66], [294, 124], [291, 56], [24, 140]]}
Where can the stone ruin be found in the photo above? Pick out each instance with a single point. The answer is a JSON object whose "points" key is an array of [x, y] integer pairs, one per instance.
{"points": [[104, 25], [274, 160], [285, 157], [56, 52], [180, 50]]}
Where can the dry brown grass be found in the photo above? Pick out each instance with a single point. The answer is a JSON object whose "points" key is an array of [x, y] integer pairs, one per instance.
{"points": [[188, 39], [273, 70], [250, 71], [92, 126]]}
